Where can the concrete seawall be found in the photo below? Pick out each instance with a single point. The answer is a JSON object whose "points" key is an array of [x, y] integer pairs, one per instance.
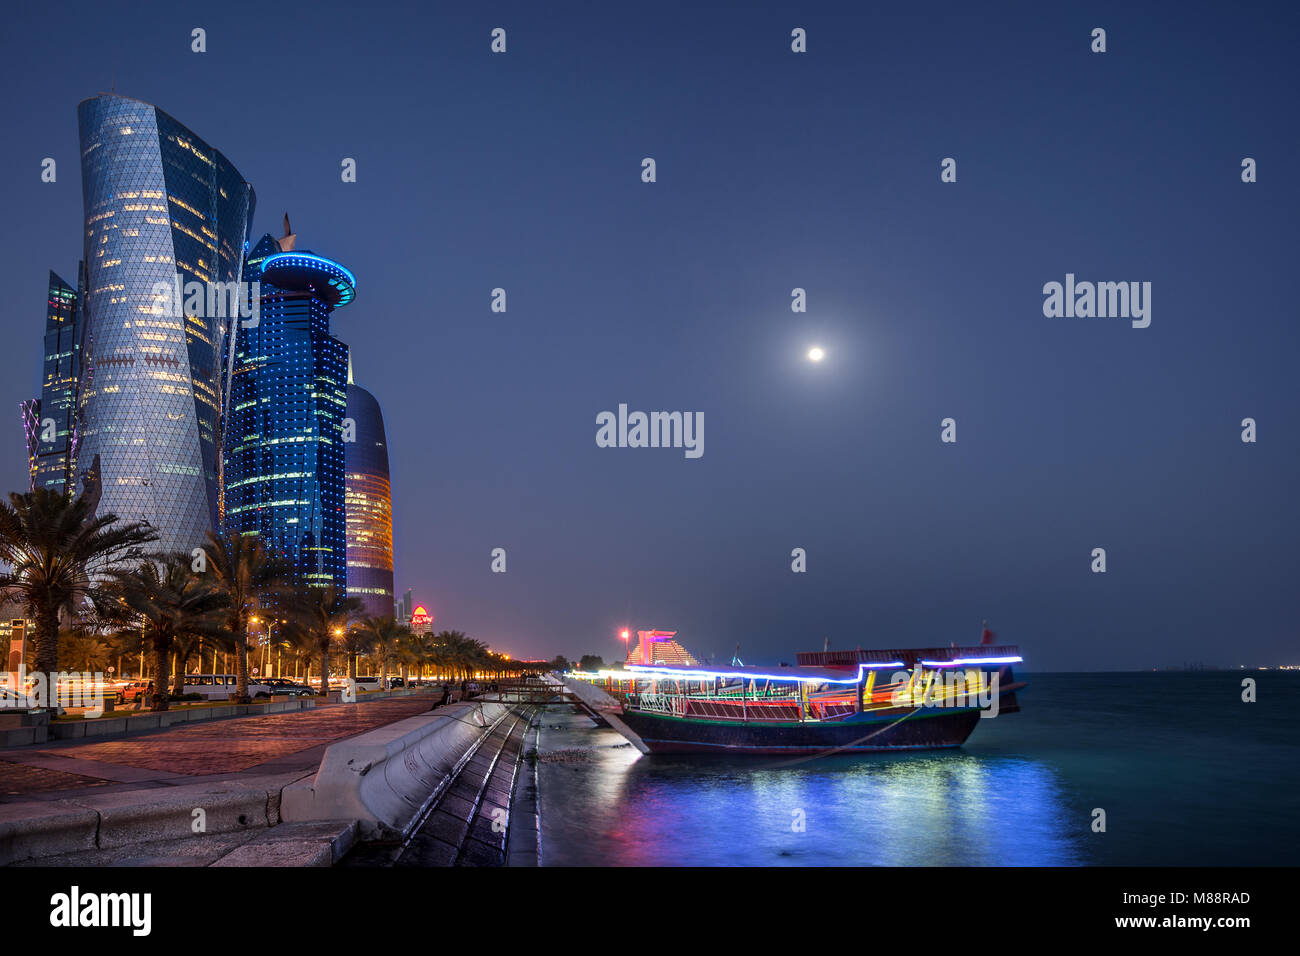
{"points": [[384, 778], [608, 708]]}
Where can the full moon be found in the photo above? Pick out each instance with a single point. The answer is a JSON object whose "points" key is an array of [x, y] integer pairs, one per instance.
{"points": [[815, 354]]}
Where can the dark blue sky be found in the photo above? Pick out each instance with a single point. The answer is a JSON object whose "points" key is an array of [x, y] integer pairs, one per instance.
{"points": [[775, 170]]}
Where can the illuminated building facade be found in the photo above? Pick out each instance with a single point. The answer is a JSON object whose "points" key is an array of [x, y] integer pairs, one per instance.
{"points": [[50, 422], [160, 205], [421, 620], [284, 449], [369, 505], [658, 647]]}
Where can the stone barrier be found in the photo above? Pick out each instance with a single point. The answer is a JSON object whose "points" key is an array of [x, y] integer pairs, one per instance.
{"points": [[385, 777]]}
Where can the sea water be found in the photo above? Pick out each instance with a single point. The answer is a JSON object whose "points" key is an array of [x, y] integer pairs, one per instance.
{"points": [[1182, 770]]}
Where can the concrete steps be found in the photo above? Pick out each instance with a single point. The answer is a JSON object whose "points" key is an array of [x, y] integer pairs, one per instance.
{"points": [[22, 728], [471, 822]]}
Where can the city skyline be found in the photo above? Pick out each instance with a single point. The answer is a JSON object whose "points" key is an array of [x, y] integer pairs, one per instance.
{"points": [[925, 296]]}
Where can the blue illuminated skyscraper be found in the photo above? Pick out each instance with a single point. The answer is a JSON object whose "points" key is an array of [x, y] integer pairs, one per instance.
{"points": [[284, 452], [51, 422], [161, 205]]}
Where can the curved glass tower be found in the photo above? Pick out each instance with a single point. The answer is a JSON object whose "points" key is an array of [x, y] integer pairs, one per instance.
{"points": [[369, 505], [284, 446], [162, 208]]}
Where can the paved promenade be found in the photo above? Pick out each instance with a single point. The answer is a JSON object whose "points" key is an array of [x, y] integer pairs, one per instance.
{"points": [[210, 751]]}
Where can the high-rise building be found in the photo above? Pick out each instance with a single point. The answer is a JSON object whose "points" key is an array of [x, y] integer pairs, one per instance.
{"points": [[369, 504], [284, 450], [51, 421], [162, 209], [403, 608]]}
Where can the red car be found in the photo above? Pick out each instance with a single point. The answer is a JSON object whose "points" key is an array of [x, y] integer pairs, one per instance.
{"points": [[135, 689]]}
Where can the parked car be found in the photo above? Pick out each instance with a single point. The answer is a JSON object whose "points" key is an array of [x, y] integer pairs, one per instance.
{"points": [[284, 686], [135, 689]]}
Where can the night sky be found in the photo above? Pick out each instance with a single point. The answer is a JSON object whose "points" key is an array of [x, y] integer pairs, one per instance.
{"points": [[775, 170]]}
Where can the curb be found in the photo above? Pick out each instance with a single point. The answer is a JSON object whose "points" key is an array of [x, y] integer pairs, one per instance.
{"points": [[48, 828]]}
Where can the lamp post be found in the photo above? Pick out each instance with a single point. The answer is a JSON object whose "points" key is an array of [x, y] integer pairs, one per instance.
{"points": [[277, 654], [255, 620]]}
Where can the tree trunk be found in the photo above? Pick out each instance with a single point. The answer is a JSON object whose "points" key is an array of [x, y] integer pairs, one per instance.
{"points": [[241, 665], [179, 676], [159, 699], [324, 667], [47, 641], [352, 665]]}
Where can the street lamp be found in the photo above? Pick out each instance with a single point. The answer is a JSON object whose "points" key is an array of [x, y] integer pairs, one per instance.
{"points": [[338, 632], [255, 620]]}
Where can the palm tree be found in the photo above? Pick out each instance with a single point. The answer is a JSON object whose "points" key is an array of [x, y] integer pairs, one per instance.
{"points": [[412, 651], [386, 634], [83, 651], [176, 604], [59, 554], [464, 654], [358, 639], [318, 617], [251, 579], [200, 642]]}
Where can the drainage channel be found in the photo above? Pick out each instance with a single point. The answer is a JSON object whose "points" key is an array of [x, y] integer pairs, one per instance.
{"points": [[467, 825]]}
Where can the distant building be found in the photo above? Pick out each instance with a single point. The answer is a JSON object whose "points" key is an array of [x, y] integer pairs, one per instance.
{"points": [[161, 207], [403, 608], [51, 421], [284, 449], [369, 504], [658, 647]]}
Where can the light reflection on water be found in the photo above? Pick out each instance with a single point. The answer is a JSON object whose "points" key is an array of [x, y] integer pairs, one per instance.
{"points": [[1187, 772], [610, 805]]}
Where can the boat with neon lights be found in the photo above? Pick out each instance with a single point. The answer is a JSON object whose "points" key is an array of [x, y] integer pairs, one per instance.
{"points": [[859, 701]]}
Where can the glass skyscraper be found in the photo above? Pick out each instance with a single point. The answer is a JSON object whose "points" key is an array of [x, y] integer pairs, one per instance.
{"points": [[161, 205], [51, 422], [284, 450], [369, 505]]}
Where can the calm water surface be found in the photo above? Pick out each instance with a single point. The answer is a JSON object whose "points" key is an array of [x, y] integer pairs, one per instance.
{"points": [[1186, 772]]}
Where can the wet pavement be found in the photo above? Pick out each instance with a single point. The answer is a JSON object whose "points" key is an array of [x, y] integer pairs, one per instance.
{"points": [[210, 750]]}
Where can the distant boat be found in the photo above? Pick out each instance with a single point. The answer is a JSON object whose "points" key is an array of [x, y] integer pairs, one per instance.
{"points": [[833, 701]]}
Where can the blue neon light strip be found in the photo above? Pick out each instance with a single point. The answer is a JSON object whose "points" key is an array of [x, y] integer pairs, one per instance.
{"points": [[973, 660], [307, 257], [649, 670]]}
